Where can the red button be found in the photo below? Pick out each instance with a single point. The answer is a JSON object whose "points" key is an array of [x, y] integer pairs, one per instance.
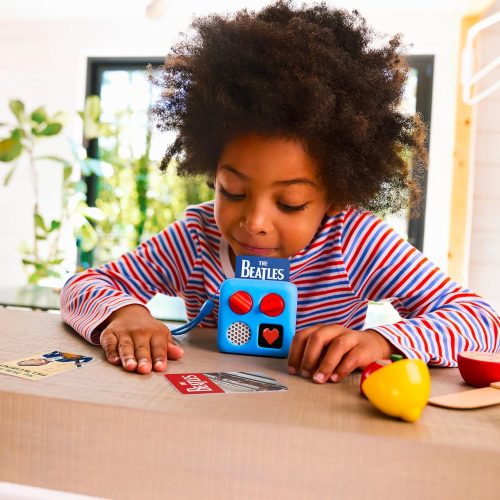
{"points": [[272, 304], [240, 302]]}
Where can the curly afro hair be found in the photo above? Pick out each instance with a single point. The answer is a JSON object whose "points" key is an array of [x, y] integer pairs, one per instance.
{"points": [[311, 74]]}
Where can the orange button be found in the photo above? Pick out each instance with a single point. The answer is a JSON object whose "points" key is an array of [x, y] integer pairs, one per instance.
{"points": [[272, 304], [240, 302]]}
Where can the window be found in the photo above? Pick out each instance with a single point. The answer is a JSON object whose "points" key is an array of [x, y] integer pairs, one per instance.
{"points": [[136, 200], [419, 98]]}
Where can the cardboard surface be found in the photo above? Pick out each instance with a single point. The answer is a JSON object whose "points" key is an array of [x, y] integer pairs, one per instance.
{"points": [[104, 432]]}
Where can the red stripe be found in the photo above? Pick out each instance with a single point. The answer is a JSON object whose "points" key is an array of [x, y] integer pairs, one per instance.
{"points": [[369, 260]]}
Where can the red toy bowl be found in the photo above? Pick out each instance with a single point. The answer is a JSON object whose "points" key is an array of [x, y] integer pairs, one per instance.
{"points": [[479, 369]]}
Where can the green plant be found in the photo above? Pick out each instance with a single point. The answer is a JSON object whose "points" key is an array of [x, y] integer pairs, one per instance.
{"points": [[135, 199], [43, 258]]}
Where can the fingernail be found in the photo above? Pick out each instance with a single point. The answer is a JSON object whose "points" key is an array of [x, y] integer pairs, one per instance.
{"points": [[292, 370], [305, 374], [334, 378], [319, 377], [142, 362], [114, 359], [130, 363], [158, 363]]}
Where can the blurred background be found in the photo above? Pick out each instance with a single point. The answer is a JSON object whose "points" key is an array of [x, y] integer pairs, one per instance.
{"points": [[78, 155]]}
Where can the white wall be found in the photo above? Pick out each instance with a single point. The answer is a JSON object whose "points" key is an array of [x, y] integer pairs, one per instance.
{"points": [[43, 62], [484, 262]]}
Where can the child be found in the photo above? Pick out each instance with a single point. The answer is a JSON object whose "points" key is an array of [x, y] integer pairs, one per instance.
{"points": [[293, 116]]}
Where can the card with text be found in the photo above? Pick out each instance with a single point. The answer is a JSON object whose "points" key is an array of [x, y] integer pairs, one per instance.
{"points": [[38, 366], [223, 382]]}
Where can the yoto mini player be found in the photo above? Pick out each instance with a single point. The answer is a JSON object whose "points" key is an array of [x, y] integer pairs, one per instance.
{"points": [[258, 308]]}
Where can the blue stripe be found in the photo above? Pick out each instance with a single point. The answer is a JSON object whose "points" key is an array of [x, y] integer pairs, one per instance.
{"points": [[416, 278], [397, 276], [180, 249], [370, 242]]}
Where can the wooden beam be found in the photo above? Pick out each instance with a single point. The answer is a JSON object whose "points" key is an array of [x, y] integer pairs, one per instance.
{"points": [[459, 224]]}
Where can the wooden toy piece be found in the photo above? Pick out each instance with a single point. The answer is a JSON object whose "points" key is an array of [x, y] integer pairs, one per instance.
{"points": [[479, 369], [468, 400]]}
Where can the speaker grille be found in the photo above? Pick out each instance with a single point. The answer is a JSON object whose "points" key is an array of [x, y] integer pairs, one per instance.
{"points": [[238, 333]]}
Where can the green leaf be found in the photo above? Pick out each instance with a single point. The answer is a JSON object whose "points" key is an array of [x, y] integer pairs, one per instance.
{"points": [[93, 107], [34, 278], [40, 237], [10, 149], [55, 262], [50, 129], [17, 134], [17, 107], [39, 115], [55, 224], [88, 237], [40, 273], [39, 222], [106, 129], [92, 213], [8, 177], [92, 127], [90, 130], [68, 170]]}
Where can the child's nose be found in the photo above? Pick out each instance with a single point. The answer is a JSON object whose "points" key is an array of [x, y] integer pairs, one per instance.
{"points": [[255, 220]]}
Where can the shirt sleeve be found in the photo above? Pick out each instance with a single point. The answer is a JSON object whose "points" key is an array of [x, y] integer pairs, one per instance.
{"points": [[161, 264], [440, 318]]}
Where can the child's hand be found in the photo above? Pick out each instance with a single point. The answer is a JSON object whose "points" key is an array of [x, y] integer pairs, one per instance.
{"points": [[137, 341], [330, 352]]}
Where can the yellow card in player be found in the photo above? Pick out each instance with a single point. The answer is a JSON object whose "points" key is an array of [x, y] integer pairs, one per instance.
{"points": [[40, 366]]}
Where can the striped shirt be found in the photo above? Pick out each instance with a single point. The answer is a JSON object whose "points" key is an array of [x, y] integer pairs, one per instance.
{"points": [[353, 258]]}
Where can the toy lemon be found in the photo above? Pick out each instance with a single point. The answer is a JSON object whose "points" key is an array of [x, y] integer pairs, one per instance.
{"points": [[400, 389]]}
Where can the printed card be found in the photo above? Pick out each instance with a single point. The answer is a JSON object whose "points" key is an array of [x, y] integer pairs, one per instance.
{"points": [[40, 366], [223, 382]]}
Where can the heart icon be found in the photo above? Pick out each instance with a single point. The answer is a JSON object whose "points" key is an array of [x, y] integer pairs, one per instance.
{"points": [[270, 335]]}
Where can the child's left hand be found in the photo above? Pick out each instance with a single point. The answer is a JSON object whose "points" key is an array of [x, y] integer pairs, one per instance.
{"points": [[330, 352]]}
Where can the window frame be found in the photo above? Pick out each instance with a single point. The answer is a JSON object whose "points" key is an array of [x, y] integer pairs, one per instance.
{"points": [[424, 64]]}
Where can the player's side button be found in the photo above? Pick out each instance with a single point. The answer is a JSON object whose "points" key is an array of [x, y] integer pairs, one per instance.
{"points": [[270, 336]]}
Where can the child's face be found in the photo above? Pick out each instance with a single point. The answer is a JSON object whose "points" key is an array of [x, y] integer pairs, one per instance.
{"points": [[269, 201]]}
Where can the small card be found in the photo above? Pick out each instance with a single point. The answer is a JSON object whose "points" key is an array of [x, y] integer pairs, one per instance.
{"points": [[40, 366], [262, 268], [223, 382]]}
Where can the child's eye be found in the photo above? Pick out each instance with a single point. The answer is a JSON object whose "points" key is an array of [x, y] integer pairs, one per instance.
{"points": [[227, 194], [292, 208]]}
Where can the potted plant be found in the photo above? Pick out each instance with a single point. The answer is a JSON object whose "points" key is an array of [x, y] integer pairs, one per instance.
{"points": [[43, 256]]}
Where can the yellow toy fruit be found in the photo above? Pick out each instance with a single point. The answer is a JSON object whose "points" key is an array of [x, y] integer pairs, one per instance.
{"points": [[400, 389]]}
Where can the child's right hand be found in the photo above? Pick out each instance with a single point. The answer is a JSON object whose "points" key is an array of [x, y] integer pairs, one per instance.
{"points": [[137, 341]]}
